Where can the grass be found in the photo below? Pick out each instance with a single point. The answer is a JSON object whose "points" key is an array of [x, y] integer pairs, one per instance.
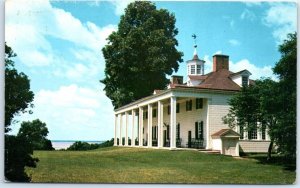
{"points": [[138, 165]]}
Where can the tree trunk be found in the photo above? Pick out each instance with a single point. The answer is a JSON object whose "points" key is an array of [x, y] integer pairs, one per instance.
{"points": [[270, 151]]}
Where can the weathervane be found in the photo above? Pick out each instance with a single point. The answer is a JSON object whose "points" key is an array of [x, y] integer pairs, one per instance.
{"points": [[194, 37]]}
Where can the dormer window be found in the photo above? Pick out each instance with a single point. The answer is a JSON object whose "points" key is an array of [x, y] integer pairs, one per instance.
{"points": [[192, 69], [244, 81]]}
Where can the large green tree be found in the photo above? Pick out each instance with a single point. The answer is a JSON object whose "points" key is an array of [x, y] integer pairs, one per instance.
{"points": [[286, 69], [36, 132], [271, 103], [140, 53], [18, 96], [255, 103]]}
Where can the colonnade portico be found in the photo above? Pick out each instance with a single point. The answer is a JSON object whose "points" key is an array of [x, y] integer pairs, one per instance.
{"points": [[137, 125]]}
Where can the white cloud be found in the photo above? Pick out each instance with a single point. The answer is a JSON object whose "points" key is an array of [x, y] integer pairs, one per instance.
{"points": [[282, 17], [218, 52], [248, 15], [120, 5], [29, 23], [234, 42], [71, 112], [253, 3], [72, 109], [257, 72]]}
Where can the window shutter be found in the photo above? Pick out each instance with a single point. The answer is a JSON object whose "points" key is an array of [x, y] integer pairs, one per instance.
{"points": [[191, 104], [201, 103], [178, 130], [196, 130], [201, 130], [152, 133], [187, 105], [168, 132]]}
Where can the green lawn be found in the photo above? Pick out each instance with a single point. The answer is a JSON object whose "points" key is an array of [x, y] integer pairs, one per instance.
{"points": [[138, 165]]}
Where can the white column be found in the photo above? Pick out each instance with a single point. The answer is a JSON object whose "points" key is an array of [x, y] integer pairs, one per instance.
{"points": [[141, 126], [132, 128], [245, 135], [173, 122], [259, 133], [267, 133], [115, 138], [149, 125], [160, 111], [126, 128], [120, 139], [208, 145]]}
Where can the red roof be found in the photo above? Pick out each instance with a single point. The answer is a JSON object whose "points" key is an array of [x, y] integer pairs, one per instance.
{"points": [[219, 80], [197, 77], [224, 132]]}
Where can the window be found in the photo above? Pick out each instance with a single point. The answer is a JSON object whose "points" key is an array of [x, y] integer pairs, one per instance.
{"points": [[192, 69], [145, 115], [198, 69], [199, 130], [244, 81], [252, 134], [154, 113], [199, 103], [177, 108], [178, 131], [169, 109], [263, 132], [189, 105], [241, 132]]}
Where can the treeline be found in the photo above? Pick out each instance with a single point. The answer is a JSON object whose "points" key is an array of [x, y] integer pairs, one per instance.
{"points": [[32, 135], [83, 146]]}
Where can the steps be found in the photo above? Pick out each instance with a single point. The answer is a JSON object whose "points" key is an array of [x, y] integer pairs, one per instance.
{"points": [[209, 151]]}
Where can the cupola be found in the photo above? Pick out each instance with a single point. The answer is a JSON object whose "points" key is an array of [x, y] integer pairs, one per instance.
{"points": [[195, 66]]}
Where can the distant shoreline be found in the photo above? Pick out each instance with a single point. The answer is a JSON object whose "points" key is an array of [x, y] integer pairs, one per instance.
{"points": [[77, 141], [64, 144]]}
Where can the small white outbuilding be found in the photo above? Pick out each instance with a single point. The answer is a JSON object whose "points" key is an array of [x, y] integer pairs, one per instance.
{"points": [[226, 141]]}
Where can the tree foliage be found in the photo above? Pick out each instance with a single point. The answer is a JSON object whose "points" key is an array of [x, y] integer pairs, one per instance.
{"points": [[271, 103], [83, 146], [140, 53], [36, 132], [286, 69], [18, 96], [18, 154]]}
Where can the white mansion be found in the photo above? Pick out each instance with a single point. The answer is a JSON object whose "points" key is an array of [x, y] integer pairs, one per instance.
{"points": [[189, 115]]}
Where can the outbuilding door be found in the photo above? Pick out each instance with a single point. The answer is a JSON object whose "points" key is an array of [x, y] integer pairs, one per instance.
{"points": [[229, 146]]}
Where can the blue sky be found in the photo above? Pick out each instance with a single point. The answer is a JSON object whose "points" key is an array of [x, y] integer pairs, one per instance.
{"points": [[59, 44]]}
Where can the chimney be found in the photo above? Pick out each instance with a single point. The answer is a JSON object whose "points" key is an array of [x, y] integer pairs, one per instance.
{"points": [[220, 62], [176, 79]]}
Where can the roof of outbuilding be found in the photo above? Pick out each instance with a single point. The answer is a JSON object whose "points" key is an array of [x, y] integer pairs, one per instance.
{"points": [[224, 133]]}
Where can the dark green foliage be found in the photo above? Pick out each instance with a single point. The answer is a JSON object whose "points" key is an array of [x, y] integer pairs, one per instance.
{"points": [[271, 103], [36, 131], [18, 151], [83, 146], [141, 53], [286, 69], [18, 96]]}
